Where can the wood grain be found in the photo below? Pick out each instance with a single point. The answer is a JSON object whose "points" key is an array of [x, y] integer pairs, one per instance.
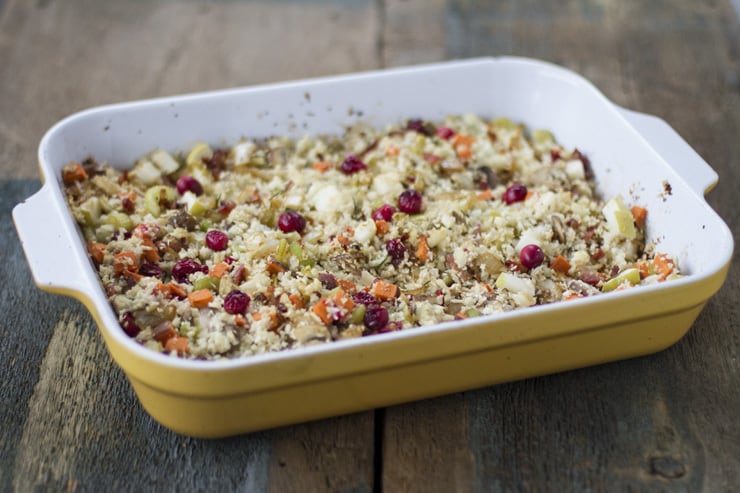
{"points": [[69, 420]]}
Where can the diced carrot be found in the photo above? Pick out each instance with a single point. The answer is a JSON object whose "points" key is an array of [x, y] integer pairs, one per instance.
{"points": [[240, 320], [342, 240], [350, 230], [463, 145], [486, 194], [572, 296], [257, 316], [392, 151], [663, 265], [133, 275], [150, 250], [322, 166], [176, 290], [164, 333], [219, 270], [347, 285], [422, 250], [177, 344], [125, 262], [96, 250], [381, 226], [560, 264], [384, 290], [644, 269], [321, 311], [72, 173], [529, 195], [640, 215], [200, 298], [142, 231], [296, 299], [460, 316], [275, 267], [341, 299]]}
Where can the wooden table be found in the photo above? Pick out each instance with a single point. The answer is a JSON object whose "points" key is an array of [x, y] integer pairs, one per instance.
{"points": [[70, 421]]}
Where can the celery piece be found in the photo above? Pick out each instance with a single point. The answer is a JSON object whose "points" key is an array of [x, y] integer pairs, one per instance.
{"points": [[542, 136], [297, 251], [206, 282], [164, 161], [281, 255], [90, 210], [119, 220], [153, 198], [619, 219], [504, 123], [197, 153], [358, 314], [146, 172], [631, 275]]}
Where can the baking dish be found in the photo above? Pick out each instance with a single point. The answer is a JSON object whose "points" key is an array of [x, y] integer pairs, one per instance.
{"points": [[632, 154]]}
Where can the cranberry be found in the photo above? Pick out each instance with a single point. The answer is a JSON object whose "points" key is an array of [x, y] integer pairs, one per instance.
{"points": [[328, 280], [236, 302], [531, 256], [226, 207], [515, 193], [352, 164], [376, 317], [364, 298], [445, 132], [189, 184], [396, 250], [410, 201], [129, 325], [290, 221], [417, 125], [150, 269], [183, 268], [384, 212], [217, 240]]}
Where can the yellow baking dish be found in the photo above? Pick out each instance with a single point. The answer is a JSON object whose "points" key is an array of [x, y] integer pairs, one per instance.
{"points": [[631, 154]]}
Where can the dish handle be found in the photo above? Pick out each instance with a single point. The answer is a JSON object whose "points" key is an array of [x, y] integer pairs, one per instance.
{"points": [[48, 238], [673, 148]]}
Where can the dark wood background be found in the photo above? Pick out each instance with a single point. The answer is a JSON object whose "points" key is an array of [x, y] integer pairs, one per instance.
{"points": [[69, 420]]}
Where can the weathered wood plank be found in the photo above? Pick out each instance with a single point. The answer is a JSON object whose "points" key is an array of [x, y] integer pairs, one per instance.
{"points": [[659, 423], [61, 57]]}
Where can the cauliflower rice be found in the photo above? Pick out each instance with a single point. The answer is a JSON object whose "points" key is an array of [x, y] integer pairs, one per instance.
{"points": [[274, 244]]}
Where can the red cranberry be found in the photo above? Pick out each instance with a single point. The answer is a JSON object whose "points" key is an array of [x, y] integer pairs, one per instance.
{"points": [[384, 212], [290, 221], [396, 250], [515, 193], [417, 125], [226, 207], [150, 269], [236, 302], [445, 132], [183, 268], [328, 280], [376, 317], [217, 240], [129, 325], [531, 256], [352, 164], [410, 201], [189, 184], [364, 298]]}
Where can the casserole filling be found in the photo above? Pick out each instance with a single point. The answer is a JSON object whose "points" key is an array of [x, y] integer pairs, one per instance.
{"points": [[277, 243]]}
